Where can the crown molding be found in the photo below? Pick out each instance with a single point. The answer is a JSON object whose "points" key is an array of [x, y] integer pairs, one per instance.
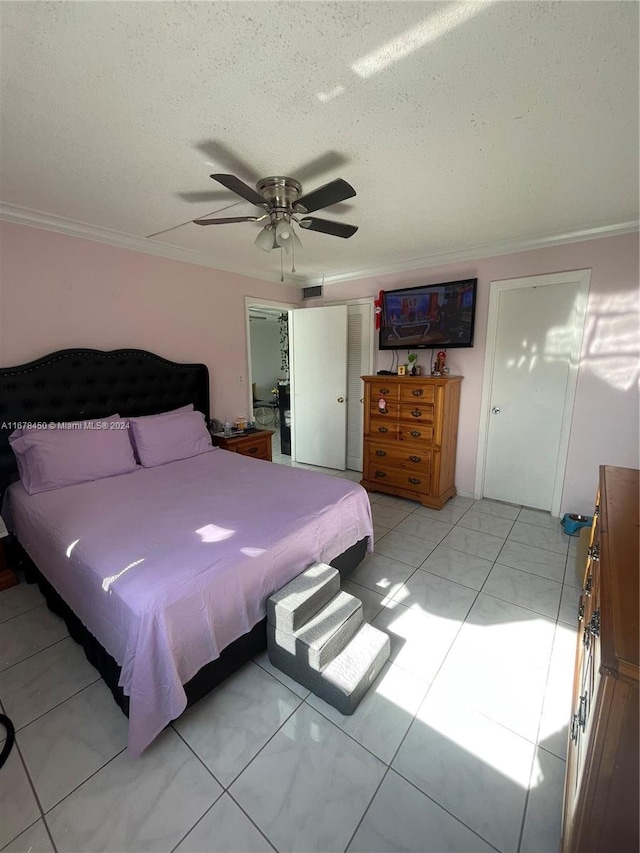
{"points": [[49, 222], [504, 247], [73, 228]]}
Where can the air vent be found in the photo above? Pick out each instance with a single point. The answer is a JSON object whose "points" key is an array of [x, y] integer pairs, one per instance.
{"points": [[312, 292]]}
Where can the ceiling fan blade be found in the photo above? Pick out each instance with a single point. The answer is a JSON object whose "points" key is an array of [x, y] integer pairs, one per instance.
{"points": [[325, 196], [227, 220], [328, 226], [240, 188]]}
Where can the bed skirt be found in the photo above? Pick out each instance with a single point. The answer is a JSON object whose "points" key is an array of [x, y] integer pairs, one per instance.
{"points": [[231, 658]]}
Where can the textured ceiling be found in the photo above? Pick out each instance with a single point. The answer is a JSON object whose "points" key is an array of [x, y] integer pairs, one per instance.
{"points": [[460, 125]]}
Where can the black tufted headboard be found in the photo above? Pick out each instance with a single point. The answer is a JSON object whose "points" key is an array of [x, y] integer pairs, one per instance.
{"points": [[73, 384]]}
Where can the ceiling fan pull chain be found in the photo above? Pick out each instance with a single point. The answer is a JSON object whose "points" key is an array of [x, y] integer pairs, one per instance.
{"points": [[293, 254], [281, 264]]}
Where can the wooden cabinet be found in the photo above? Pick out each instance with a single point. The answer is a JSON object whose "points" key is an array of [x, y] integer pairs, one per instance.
{"points": [[410, 436], [601, 786], [256, 443]]}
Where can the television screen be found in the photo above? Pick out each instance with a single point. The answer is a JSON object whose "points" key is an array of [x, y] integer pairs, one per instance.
{"points": [[433, 315]]}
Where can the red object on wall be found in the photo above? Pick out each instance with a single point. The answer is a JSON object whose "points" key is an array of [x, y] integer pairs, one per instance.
{"points": [[378, 308]]}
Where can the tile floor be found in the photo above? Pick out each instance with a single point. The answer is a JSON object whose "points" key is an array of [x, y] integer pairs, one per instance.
{"points": [[459, 745]]}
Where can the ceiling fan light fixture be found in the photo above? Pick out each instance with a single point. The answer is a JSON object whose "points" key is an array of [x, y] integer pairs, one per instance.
{"points": [[284, 232], [264, 240], [292, 243]]}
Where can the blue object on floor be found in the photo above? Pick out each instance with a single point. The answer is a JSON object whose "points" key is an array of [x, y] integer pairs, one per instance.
{"points": [[572, 522]]}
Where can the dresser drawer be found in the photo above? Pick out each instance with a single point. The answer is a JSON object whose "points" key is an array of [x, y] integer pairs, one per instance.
{"points": [[416, 433], [384, 388], [417, 393], [408, 459], [388, 476], [418, 412], [258, 447], [383, 427], [591, 590], [391, 413]]}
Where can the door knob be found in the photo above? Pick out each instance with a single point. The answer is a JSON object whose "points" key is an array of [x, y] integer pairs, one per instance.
{"points": [[362, 399], [496, 410], [341, 399]]}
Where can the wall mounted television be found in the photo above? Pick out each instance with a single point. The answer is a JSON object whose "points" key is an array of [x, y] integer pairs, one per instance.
{"points": [[429, 316]]}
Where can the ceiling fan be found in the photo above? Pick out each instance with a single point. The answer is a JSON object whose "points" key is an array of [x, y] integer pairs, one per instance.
{"points": [[281, 199]]}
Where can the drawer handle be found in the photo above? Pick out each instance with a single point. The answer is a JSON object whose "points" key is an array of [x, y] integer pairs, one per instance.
{"points": [[418, 392], [574, 727], [384, 390], [415, 481], [381, 452], [416, 413], [414, 433], [380, 474], [253, 450], [382, 429], [594, 553], [588, 585], [415, 459], [582, 711]]}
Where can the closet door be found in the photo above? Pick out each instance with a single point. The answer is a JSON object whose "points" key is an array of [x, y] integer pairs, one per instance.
{"points": [[318, 364], [359, 363]]}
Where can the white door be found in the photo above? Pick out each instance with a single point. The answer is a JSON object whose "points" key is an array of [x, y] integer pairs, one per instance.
{"points": [[538, 331], [359, 362], [318, 367]]}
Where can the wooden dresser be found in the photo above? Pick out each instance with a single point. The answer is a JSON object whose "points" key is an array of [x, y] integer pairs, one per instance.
{"points": [[601, 787], [410, 436], [256, 443]]}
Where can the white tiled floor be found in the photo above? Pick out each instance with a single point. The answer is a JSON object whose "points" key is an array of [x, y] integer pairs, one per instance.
{"points": [[459, 746]]}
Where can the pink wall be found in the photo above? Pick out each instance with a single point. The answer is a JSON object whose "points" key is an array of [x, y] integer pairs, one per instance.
{"points": [[58, 291], [605, 419]]}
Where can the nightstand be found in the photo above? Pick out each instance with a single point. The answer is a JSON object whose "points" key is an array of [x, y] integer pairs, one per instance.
{"points": [[251, 442]]}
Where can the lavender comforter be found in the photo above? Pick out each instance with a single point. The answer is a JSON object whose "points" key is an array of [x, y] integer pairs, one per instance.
{"points": [[167, 566]]}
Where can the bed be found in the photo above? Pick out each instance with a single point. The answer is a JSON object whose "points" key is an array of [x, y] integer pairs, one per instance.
{"points": [[162, 573]]}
